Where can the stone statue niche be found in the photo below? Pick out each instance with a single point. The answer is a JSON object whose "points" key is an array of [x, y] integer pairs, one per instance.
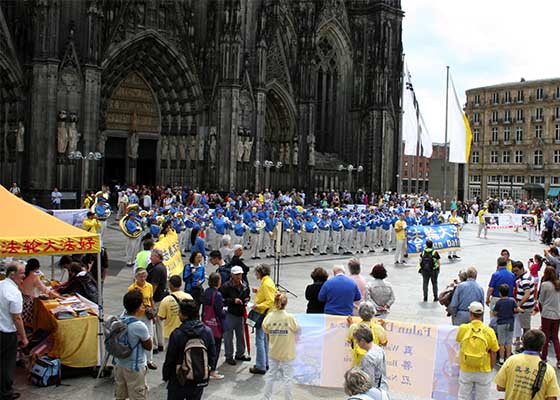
{"points": [[62, 133], [20, 138], [73, 134], [133, 143], [240, 148], [212, 146], [248, 146], [295, 154], [311, 147]]}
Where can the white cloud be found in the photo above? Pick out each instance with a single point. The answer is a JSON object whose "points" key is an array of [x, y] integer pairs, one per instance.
{"points": [[484, 42]]}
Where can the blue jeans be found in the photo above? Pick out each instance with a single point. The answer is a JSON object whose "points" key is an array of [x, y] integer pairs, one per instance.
{"points": [[262, 349]]}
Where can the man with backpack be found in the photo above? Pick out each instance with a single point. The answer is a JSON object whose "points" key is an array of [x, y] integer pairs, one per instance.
{"points": [[526, 376], [189, 355], [477, 355], [130, 371], [429, 268]]}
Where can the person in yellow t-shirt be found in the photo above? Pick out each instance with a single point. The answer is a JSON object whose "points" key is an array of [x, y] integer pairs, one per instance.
{"points": [[147, 291], [366, 311], [477, 355], [454, 219], [264, 302], [400, 235], [505, 253], [482, 222], [91, 223], [281, 328], [519, 372], [169, 307]]}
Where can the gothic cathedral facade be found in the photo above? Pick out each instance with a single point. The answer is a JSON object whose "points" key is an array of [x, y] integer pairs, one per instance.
{"points": [[213, 94]]}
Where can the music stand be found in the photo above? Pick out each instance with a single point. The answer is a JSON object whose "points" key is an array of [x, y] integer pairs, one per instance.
{"points": [[277, 257]]}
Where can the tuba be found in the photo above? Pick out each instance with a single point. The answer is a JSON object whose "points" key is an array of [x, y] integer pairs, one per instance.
{"points": [[105, 213], [136, 234], [123, 220]]}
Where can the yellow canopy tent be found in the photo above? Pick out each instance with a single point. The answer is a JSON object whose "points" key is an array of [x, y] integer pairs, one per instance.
{"points": [[26, 231]]}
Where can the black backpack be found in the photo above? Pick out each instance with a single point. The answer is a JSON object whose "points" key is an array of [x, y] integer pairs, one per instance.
{"points": [[225, 272], [427, 263], [195, 368]]}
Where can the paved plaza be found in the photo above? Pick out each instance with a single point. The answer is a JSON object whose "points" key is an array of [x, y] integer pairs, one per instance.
{"points": [[238, 382]]}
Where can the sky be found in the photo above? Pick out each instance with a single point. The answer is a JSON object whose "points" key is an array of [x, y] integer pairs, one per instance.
{"points": [[484, 42]]}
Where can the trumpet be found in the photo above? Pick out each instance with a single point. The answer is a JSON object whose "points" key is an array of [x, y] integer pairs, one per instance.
{"points": [[137, 231], [178, 214], [143, 213]]}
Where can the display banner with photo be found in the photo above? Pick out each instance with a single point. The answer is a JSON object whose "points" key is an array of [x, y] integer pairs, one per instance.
{"points": [[73, 217], [509, 221], [422, 360]]}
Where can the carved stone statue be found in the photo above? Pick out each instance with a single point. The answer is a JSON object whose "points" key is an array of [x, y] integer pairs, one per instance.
{"points": [[240, 148], [212, 148], [311, 146], [73, 134], [282, 157], [133, 142], [62, 133], [101, 140], [295, 154], [182, 148], [248, 144], [20, 136], [287, 153], [191, 140], [165, 148], [201, 142], [173, 148]]}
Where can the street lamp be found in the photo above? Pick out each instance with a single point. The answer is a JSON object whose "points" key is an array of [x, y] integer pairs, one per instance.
{"points": [[267, 164], [350, 168], [78, 156], [257, 165]]}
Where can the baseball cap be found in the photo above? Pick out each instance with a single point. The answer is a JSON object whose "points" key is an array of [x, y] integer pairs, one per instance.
{"points": [[476, 308], [236, 270]]}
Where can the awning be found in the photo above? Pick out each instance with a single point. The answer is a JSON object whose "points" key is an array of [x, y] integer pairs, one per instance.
{"points": [[553, 192], [26, 231]]}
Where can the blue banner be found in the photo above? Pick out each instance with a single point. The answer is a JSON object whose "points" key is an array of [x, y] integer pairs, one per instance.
{"points": [[445, 237]]}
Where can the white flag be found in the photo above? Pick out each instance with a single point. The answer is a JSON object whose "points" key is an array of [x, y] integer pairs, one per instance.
{"points": [[458, 130], [410, 116], [425, 138]]}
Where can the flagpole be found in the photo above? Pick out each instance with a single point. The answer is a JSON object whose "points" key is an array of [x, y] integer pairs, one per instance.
{"points": [[445, 141], [417, 160]]}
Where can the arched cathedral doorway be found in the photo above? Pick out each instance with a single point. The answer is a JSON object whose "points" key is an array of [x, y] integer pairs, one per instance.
{"points": [[132, 128]]}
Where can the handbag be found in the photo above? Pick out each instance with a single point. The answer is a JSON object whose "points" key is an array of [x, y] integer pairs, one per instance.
{"points": [[255, 319], [210, 319]]}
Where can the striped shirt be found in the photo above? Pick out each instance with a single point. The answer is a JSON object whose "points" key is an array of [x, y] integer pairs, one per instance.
{"points": [[526, 283]]}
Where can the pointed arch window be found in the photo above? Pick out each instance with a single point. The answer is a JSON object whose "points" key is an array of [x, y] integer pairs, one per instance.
{"points": [[327, 86]]}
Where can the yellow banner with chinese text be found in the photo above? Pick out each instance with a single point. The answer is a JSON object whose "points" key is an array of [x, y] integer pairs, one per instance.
{"points": [[46, 246], [169, 245]]}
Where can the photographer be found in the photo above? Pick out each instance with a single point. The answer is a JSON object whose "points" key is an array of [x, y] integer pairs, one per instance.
{"points": [[553, 258]]}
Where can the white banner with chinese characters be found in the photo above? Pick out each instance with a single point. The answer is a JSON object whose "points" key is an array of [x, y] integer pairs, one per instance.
{"points": [[422, 360]]}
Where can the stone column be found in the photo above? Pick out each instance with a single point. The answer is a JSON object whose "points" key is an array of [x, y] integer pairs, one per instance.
{"points": [[42, 132], [90, 123]]}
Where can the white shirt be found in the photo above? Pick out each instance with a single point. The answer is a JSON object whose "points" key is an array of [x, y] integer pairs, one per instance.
{"points": [[11, 302]]}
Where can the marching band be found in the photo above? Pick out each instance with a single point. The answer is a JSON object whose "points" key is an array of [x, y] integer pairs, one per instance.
{"points": [[352, 230]]}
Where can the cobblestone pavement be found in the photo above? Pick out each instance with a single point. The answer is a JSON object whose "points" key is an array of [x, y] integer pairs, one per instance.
{"points": [[238, 382]]}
